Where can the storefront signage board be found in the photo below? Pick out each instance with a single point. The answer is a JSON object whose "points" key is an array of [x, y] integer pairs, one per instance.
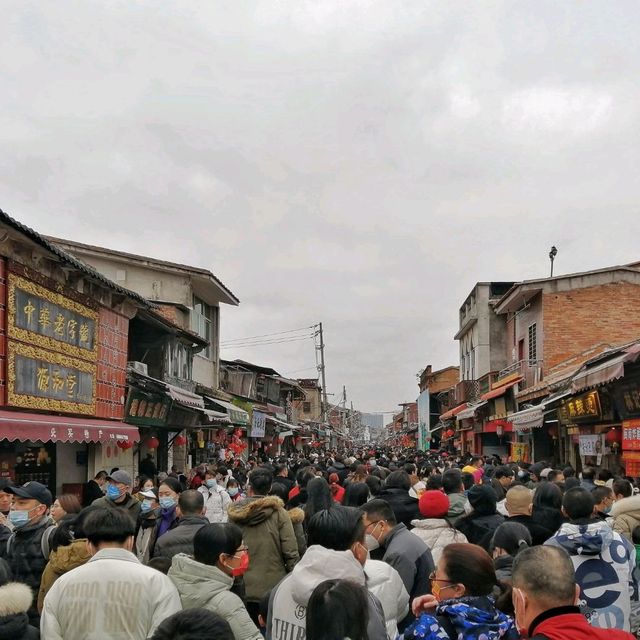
{"points": [[147, 409]]}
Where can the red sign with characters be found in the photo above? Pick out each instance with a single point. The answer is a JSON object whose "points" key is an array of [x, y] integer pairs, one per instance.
{"points": [[631, 435]]}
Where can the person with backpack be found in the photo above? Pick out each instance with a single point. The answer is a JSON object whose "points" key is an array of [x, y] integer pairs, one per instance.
{"points": [[27, 549]]}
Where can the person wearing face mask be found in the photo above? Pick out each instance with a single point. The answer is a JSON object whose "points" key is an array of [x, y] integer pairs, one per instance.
{"points": [[336, 551], [403, 550], [604, 499], [545, 597], [206, 579], [113, 595], [233, 489], [216, 499], [190, 512], [146, 525], [27, 548], [461, 603], [168, 493], [118, 495]]}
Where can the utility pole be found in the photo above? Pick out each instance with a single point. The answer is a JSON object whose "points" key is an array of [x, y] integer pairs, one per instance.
{"points": [[325, 404], [552, 256]]}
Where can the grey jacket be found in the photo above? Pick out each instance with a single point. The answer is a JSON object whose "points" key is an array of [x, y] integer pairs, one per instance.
{"points": [[203, 586], [411, 558], [180, 539]]}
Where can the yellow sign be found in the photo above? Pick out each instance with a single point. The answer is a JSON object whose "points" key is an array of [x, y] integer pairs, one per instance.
{"points": [[519, 452]]}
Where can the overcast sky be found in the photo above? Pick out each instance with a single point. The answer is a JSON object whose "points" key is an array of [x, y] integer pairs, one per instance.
{"points": [[357, 163]]}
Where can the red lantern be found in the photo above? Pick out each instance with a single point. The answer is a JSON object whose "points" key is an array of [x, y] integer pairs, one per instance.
{"points": [[153, 443], [180, 441], [613, 436]]}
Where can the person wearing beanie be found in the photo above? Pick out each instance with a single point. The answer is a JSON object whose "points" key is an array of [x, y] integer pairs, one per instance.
{"points": [[435, 529], [480, 524], [337, 492], [509, 539]]}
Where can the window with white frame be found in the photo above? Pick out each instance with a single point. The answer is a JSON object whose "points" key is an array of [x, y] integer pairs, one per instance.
{"points": [[202, 324], [533, 342]]}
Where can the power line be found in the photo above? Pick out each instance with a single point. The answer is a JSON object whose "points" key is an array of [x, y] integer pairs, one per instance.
{"points": [[264, 343], [267, 335], [270, 340]]}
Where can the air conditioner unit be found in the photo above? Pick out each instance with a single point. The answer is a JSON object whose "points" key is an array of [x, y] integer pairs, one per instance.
{"points": [[140, 367]]}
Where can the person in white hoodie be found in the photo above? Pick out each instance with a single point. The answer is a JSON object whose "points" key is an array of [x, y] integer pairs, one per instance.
{"points": [[216, 498], [385, 583], [336, 551], [113, 596], [435, 530]]}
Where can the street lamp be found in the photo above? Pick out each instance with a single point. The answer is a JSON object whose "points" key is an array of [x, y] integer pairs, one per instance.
{"points": [[552, 254]]}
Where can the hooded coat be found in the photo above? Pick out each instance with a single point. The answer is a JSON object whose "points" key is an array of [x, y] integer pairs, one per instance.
{"points": [[626, 515], [206, 587], [603, 561], [288, 601], [216, 503], [61, 560], [458, 507], [385, 583], [437, 533], [481, 523], [268, 532], [405, 508], [471, 618], [15, 601]]}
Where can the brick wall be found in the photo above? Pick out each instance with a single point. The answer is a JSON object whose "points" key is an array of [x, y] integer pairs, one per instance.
{"points": [[111, 384], [578, 319]]}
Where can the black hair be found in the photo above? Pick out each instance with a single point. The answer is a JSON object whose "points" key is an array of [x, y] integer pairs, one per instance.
{"points": [[318, 497], [568, 472], [503, 472], [451, 481], [338, 609], [600, 493], [374, 483], [622, 487], [191, 502], [379, 510], [468, 480], [356, 494], [193, 624], [471, 566], [513, 537], [635, 535], [434, 482], [604, 475], [260, 480], [280, 468], [337, 528], [278, 489], [578, 503], [213, 539], [548, 495], [108, 525], [160, 563], [63, 535], [172, 483], [398, 480], [304, 475], [571, 482], [588, 473]]}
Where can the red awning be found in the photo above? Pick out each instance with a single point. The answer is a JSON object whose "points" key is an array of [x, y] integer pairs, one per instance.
{"points": [[605, 370], [453, 412], [496, 393], [16, 425]]}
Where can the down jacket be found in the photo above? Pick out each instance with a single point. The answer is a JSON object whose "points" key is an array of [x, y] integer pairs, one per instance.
{"points": [[15, 600], [204, 586], [626, 515], [180, 538], [268, 532], [216, 503], [61, 560], [385, 583], [437, 533]]}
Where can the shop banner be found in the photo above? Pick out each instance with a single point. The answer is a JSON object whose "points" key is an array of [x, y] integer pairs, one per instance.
{"points": [[593, 445], [258, 425], [631, 435], [519, 452]]}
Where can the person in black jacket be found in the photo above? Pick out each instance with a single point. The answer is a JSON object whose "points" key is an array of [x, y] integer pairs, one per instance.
{"points": [[191, 519], [519, 505], [480, 524], [26, 552], [282, 477], [93, 489], [15, 600], [396, 493]]}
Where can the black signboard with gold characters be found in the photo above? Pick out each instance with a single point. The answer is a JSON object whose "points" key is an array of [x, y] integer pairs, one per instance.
{"points": [[39, 379], [47, 319], [586, 407], [149, 409]]}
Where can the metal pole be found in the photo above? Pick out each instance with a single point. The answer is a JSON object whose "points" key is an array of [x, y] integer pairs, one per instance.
{"points": [[325, 403]]}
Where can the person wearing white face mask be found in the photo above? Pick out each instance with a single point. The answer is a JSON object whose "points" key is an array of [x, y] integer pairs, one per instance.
{"points": [[216, 499], [545, 597], [27, 549]]}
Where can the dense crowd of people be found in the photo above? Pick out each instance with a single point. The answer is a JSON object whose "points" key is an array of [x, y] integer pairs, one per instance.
{"points": [[372, 545]]}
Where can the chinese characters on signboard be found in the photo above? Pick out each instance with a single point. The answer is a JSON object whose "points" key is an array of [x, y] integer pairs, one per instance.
{"points": [[50, 320], [151, 409], [631, 435], [40, 379], [258, 424], [583, 408], [626, 394]]}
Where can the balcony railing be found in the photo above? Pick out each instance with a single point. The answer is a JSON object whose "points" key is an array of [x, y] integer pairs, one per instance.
{"points": [[466, 391], [530, 370]]}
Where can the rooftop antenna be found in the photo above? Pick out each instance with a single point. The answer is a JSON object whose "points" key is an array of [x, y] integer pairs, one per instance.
{"points": [[552, 256]]}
